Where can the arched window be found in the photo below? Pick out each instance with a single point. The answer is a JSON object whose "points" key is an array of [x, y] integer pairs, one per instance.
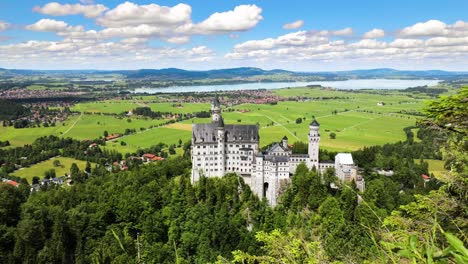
{"points": [[265, 189]]}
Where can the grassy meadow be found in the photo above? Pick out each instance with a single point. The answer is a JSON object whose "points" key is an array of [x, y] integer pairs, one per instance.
{"points": [[353, 116], [40, 168]]}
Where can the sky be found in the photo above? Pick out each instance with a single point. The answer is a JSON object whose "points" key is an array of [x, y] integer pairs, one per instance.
{"points": [[299, 35]]}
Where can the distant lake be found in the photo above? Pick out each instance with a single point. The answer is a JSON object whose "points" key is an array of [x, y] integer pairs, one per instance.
{"points": [[345, 85]]}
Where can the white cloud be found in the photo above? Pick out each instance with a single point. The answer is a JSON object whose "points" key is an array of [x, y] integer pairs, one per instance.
{"points": [[131, 14], [89, 53], [242, 18], [87, 2], [51, 25], [343, 32], [294, 25], [322, 46], [429, 28], [4, 25], [178, 40], [57, 9], [374, 33]]}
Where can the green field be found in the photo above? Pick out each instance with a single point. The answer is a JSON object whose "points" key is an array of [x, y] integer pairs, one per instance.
{"points": [[79, 127], [40, 168], [149, 138], [437, 168], [123, 106], [354, 117]]}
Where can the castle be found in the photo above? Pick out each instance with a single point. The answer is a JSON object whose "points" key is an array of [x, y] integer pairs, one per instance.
{"points": [[218, 149]]}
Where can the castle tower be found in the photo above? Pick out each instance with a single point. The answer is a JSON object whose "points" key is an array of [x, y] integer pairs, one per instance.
{"points": [[215, 109], [314, 141], [221, 146], [285, 142]]}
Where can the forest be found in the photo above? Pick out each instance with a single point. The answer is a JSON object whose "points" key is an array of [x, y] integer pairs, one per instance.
{"points": [[153, 214]]}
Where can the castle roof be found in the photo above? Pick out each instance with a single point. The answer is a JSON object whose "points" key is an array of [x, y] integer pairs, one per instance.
{"points": [[285, 138], [219, 122], [207, 133], [276, 158], [314, 123], [277, 146]]}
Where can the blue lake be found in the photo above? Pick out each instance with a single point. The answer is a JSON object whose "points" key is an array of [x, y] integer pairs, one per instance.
{"points": [[345, 85]]}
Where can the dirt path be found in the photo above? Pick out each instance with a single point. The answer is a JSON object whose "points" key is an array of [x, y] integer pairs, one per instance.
{"points": [[73, 125], [281, 125]]}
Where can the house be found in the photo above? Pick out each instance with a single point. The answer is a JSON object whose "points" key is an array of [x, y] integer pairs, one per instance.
{"points": [[12, 183], [149, 157], [112, 137], [425, 177]]}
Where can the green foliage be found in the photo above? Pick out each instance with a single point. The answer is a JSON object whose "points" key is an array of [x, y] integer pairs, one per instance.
{"points": [[281, 248]]}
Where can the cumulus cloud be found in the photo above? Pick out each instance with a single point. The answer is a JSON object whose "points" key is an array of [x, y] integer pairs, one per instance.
{"points": [[4, 25], [131, 14], [294, 25], [242, 18], [429, 28], [57, 9], [343, 32], [374, 33], [90, 53], [417, 43], [172, 24], [51, 25]]}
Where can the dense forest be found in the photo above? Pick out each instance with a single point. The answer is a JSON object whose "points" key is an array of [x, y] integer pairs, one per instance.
{"points": [[10, 110], [153, 214]]}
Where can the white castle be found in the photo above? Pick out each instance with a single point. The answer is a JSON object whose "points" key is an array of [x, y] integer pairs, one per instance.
{"points": [[218, 149]]}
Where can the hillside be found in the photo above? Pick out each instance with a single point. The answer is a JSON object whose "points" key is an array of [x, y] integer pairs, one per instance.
{"points": [[242, 72]]}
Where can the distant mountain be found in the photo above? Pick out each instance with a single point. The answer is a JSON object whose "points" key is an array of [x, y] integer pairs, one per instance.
{"points": [[174, 73], [244, 72], [386, 72]]}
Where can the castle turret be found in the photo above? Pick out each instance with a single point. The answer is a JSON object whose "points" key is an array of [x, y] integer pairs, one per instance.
{"points": [[285, 142], [314, 141], [221, 146], [215, 109]]}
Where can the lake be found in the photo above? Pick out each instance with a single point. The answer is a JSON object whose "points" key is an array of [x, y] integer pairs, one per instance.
{"points": [[345, 85]]}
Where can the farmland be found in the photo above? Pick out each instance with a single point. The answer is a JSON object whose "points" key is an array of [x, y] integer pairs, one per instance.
{"points": [[355, 118]]}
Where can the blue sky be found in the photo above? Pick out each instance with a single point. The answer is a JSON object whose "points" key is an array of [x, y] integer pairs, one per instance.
{"points": [[296, 35]]}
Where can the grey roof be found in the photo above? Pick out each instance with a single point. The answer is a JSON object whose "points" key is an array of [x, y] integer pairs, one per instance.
{"points": [[275, 158], [315, 123], [277, 145], [219, 122], [207, 133]]}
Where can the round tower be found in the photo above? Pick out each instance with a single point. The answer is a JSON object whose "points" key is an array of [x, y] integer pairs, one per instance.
{"points": [[221, 146], [314, 141], [215, 109]]}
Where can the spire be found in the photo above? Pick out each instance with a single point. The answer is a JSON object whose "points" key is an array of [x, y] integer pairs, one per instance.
{"points": [[314, 123], [285, 138], [215, 101]]}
